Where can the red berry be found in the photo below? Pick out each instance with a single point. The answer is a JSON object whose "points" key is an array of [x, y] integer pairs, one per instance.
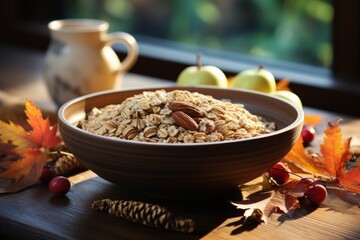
{"points": [[308, 134], [316, 193], [59, 186], [304, 184], [307, 181], [47, 174], [279, 173]]}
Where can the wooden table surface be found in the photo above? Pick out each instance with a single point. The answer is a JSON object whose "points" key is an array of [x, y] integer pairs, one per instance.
{"points": [[35, 214]]}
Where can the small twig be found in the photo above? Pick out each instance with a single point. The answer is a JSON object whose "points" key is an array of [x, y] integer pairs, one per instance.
{"points": [[61, 152]]}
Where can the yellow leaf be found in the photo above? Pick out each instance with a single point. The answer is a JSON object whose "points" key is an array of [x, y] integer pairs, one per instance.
{"points": [[16, 135]]}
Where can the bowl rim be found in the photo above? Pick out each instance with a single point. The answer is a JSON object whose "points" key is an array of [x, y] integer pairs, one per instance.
{"points": [[61, 118]]}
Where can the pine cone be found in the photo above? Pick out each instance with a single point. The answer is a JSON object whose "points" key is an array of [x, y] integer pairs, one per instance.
{"points": [[66, 164], [146, 214]]}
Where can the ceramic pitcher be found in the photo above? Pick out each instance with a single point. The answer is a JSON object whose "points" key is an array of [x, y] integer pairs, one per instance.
{"points": [[80, 59]]}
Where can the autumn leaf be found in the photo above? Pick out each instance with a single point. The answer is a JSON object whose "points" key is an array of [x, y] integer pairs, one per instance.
{"points": [[7, 153], [283, 85], [297, 158], [41, 133], [312, 119], [351, 180], [23, 172], [23, 153], [335, 155], [15, 134], [262, 204], [335, 152]]}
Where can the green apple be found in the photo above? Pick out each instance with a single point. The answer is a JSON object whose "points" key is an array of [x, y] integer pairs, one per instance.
{"points": [[255, 79], [202, 75], [290, 96]]}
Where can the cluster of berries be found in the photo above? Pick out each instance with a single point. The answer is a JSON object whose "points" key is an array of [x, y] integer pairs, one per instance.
{"points": [[315, 192]]}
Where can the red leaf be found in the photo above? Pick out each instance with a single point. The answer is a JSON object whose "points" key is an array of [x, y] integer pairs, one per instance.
{"points": [[351, 180], [41, 134]]}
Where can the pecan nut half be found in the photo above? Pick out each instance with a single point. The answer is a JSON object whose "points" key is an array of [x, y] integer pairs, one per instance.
{"points": [[189, 109], [184, 120]]}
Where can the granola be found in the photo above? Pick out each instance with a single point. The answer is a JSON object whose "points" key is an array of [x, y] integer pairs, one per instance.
{"points": [[147, 117]]}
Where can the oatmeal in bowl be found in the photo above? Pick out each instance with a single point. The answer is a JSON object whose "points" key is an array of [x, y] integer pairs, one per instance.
{"points": [[178, 116], [180, 143]]}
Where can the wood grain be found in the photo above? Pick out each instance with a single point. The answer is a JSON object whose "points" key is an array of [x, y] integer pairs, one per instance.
{"points": [[35, 214]]}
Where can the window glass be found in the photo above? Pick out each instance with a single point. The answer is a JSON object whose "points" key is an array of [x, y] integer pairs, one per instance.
{"points": [[296, 31]]}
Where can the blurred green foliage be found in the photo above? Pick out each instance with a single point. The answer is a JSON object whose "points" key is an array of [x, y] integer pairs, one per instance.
{"points": [[291, 30]]}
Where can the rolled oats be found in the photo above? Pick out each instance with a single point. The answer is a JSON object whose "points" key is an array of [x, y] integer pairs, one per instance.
{"points": [[147, 117]]}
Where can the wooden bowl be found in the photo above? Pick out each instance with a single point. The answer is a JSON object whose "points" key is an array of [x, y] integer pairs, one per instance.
{"points": [[182, 171]]}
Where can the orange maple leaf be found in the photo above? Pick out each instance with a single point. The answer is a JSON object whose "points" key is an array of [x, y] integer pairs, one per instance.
{"points": [[42, 133], [351, 180], [22, 154], [299, 159], [312, 119], [335, 152], [283, 85]]}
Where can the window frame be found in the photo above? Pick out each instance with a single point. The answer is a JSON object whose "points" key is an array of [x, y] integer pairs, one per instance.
{"points": [[336, 89]]}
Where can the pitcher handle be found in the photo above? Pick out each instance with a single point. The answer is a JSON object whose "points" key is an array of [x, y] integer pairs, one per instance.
{"points": [[131, 46]]}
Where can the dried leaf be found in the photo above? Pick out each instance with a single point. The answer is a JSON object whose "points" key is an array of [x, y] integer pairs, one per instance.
{"points": [[351, 180], [23, 153], [41, 133], [23, 172], [335, 152], [270, 200], [332, 163], [303, 161], [7, 153], [312, 119], [16, 135], [283, 85]]}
